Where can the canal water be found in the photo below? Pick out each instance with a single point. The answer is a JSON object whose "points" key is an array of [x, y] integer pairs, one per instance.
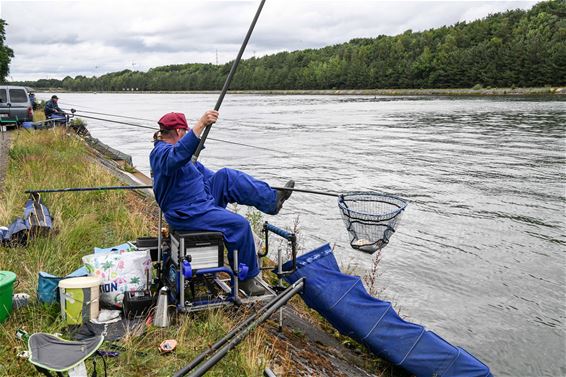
{"points": [[479, 256]]}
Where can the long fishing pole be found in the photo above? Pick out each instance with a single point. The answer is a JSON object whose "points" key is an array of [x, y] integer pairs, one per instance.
{"points": [[116, 116], [228, 81], [73, 111]]}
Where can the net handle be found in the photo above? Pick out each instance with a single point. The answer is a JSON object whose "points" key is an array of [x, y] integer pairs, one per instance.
{"points": [[326, 193]]}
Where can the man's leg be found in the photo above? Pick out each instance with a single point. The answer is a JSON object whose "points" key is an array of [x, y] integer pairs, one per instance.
{"points": [[234, 186], [58, 118]]}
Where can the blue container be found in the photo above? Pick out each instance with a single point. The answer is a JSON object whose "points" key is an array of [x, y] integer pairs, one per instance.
{"points": [[27, 125]]}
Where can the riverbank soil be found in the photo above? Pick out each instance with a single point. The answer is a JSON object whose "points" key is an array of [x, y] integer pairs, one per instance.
{"points": [[82, 221]]}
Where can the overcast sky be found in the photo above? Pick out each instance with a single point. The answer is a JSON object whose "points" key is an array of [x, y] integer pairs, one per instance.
{"points": [[54, 39]]}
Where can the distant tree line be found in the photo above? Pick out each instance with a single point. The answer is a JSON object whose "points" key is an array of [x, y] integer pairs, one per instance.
{"points": [[514, 48], [6, 53]]}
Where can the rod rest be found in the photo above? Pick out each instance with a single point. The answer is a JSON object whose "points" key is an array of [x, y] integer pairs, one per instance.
{"points": [[280, 232], [290, 237]]}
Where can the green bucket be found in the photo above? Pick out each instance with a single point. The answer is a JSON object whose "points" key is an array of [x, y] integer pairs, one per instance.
{"points": [[7, 279]]}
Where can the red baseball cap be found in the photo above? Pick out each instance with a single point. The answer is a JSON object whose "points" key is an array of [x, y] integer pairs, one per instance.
{"points": [[173, 121]]}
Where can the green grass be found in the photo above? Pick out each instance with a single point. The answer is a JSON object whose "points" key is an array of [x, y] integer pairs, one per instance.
{"points": [[49, 159]]}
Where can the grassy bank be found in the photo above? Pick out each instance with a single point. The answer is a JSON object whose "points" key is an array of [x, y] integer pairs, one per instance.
{"points": [[82, 221]]}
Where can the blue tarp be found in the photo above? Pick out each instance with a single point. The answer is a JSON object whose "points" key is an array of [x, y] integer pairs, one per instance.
{"points": [[343, 300]]}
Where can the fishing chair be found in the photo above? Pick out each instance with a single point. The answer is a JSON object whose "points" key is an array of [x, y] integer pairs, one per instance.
{"points": [[193, 267], [194, 262]]}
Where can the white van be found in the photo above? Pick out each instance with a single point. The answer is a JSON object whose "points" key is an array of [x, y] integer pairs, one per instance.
{"points": [[15, 105]]}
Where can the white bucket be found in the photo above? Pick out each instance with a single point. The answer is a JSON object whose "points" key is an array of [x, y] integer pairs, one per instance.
{"points": [[79, 299]]}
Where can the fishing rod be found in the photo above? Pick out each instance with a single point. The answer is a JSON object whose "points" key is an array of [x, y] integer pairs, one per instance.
{"points": [[228, 81], [114, 115], [73, 111]]}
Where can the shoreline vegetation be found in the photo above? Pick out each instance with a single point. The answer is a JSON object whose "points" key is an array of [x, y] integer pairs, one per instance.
{"points": [[58, 158], [512, 49], [479, 91]]}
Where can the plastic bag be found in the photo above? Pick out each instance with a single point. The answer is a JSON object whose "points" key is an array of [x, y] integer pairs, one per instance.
{"points": [[120, 272]]}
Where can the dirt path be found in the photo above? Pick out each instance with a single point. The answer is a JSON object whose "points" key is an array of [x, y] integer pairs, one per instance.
{"points": [[5, 138]]}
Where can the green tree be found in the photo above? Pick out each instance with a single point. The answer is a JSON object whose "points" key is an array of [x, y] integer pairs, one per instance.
{"points": [[6, 53]]}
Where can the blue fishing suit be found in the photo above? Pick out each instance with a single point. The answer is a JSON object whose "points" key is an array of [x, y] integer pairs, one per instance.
{"points": [[193, 197]]}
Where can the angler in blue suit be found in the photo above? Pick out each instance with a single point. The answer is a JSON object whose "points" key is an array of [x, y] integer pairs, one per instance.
{"points": [[193, 197]]}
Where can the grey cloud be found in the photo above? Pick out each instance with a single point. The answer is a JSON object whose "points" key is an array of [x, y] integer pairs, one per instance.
{"points": [[28, 38]]}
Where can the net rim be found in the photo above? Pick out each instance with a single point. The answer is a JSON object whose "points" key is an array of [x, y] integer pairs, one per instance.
{"points": [[341, 203]]}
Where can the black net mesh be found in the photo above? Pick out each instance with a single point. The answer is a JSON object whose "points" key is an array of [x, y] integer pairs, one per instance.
{"points": [[370, 218]]}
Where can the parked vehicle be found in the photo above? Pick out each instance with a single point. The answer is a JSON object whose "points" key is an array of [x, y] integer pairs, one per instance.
{"points": [[15, 105]]}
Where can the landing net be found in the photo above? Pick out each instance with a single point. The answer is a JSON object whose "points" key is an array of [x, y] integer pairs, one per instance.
{"points": [[370, 218]]}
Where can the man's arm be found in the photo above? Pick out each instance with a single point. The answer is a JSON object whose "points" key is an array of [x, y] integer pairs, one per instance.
{"points": [[48, 108], [178, 155], [181, 152]]}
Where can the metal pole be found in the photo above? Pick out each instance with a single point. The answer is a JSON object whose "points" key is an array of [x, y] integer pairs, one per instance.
{"points": [[160, 246], [307, 191], [276, 304], [280, 270], [182, 251], [228, 80], [236, 270], [100, 188]]}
